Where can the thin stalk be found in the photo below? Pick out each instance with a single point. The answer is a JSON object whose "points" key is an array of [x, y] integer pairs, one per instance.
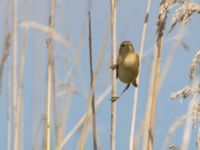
{"points": [[48, 113], [188, 124], [139, 134], [155, 93], [49, 77], [20, 91], [114, 83], [132, 132], [55, 114], [152, 98], [43, 28], [6, 60], [67, 91], [9, 109], [4, 57], [15, 76], [36, 134], [88, 113], [91, 79]]}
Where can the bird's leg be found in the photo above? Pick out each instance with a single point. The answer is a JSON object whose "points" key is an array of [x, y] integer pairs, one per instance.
{"points": [[126, 88], [114, 98]]}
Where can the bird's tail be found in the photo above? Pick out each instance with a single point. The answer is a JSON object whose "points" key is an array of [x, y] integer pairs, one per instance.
{"points": [[135, 83]]}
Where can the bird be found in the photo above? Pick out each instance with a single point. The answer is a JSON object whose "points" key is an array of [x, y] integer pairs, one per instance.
{"points": [[127, 65]]}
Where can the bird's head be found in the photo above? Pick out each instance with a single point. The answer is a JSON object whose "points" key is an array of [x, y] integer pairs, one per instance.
{"points": [[125, 47]]}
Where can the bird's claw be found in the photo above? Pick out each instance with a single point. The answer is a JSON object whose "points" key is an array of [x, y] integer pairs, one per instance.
{"points": [[114, 98], [114, 66]]}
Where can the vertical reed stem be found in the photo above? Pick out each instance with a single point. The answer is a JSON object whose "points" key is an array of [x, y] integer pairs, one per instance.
{"points": [[9, 107], [91, 77], [152, 99], [50, 77], [114, 91], [132, 132], [15, 76]]}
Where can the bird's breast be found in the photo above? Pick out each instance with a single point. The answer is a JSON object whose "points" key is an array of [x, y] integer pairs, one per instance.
{"points": [[128, 68]]}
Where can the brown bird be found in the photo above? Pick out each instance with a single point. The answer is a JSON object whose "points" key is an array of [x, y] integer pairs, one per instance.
{"points": [[127, 65]]}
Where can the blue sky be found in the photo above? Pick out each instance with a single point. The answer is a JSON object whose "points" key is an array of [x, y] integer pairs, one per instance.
{"points": [[71, 22]]}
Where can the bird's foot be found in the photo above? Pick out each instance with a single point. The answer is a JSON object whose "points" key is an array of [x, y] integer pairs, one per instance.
{"points": [[114, 66], [114, 98]]}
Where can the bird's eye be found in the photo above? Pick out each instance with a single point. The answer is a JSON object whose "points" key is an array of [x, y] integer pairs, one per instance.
{"points": [[122, 45]]}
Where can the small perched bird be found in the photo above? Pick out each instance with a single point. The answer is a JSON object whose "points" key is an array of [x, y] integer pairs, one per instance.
{"points": [[127, 64]]}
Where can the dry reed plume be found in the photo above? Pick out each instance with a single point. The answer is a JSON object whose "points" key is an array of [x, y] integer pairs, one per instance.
{"points": [[192, 92], [183, 13]]}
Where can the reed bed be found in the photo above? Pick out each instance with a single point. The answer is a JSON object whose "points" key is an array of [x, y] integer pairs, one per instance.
{"points": [[57, 88]]}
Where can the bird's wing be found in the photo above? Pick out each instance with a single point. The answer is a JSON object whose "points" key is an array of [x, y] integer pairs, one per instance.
{"points": [[117, 71], [117, 68], [138, 63], [138, 60]]}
